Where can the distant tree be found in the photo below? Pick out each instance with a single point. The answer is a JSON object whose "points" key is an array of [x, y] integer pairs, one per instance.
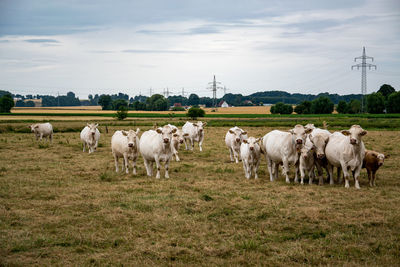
{"points": [[195, 112], [122, 113], [20, 103], [137, 105], [386, 90], [303, 108], [178, 109], [375, 103], [119, 103], [342, 107], [393, 103], [281, 108], [156, 102], [6, 103], [322, 105], [105, 102], [71, 94], [193, 100], [354, 106]]}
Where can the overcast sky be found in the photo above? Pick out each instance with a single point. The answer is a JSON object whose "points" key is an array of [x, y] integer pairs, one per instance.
{"points": [[102, 46]]}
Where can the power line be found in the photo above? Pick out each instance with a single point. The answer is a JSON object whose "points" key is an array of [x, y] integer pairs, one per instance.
{"points": [[214, 88], [363, 65]]}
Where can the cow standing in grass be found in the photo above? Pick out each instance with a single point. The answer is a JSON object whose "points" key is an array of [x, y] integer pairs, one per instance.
{"points": [[42, 130], [155, 146], [307, 161], [177, 139], [250, 152], [125, 144], [320, 137], [372, 162], [233, 140], [194, 132], [346, 150], [284, 148], [90, 136]]}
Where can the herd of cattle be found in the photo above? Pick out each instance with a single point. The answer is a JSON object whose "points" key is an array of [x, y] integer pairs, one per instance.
{"points": [[305, 147]]}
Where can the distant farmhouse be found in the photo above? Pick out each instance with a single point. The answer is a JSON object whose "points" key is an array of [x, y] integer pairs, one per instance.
{"points": [[223, 104]]}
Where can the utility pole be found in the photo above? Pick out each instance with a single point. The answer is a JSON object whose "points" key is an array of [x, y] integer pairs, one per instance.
{"points": [[151, 91], [183, 92], [214, 88], [363, 65]]}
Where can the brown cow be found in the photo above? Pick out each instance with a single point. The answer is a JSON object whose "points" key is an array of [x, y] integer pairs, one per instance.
{"points": [[372, 161]]}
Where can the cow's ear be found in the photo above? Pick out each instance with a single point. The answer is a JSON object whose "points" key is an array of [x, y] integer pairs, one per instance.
{"points": [[230, 131], [244, 133], [204, 123], [245, 141], [345, 132], [185, 134], [291, 131], [137, 131], [308, 130], [124, 133], [96, 125], [174, 130], [374, 155], [87, 124], [327, 140], [159, 131], [175, 135], [258, 139], [37, 126], [387, 156], [363, 133], [195, 124]]}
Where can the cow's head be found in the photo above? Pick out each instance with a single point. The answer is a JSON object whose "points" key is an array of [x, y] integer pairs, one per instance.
{"points": [[131, 136], [307, 150], [239, 135], [380, 158], [355, 133], [310, 126], [199, 127], [33, 127], [299, 134], [320, 141], [252, 142], [166, 133], [92, 128], [179, 136]]}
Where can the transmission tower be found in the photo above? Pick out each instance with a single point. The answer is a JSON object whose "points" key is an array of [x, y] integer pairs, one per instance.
{"points": [[151, 91], [214, 88], [363, 65]]}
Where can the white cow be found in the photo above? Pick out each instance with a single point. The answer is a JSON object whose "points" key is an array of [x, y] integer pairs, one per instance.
{"points": [[346, 150], [90, 136], [306, 162], [284, 148], [125, 144], [233, 140], [250, 152], [177, 139], [42, 130], [155, 146], [320, 137], [195, 133]]}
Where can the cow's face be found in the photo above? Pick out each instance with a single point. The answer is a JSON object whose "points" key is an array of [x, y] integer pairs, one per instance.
{"points": [[355, 133], [92, 128], [381, 158], [307, 151], [320, 142], [300, 133], [166, 133], [199, 127], [179, 136], [238, 135], [131, 137], [33, 127], [252, 142], [310, 126]]}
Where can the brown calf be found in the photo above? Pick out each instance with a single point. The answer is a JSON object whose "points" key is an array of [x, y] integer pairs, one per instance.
{"points": [[372, 161]]}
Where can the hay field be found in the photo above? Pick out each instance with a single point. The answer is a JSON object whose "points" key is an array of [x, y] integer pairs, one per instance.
{"points": [[60, 206]]}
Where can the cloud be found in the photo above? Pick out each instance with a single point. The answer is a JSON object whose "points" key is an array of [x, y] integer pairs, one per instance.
{"points": [[151, 51], [41, 41]]}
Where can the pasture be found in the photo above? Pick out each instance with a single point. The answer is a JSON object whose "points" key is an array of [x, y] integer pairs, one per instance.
{"points": [[60, 206]]}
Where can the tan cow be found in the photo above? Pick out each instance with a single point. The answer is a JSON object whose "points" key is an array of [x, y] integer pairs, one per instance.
{"points": [[372, 161]]}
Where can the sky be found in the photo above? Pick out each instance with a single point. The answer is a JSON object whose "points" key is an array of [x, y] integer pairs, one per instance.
{"points": [[106, 47]]}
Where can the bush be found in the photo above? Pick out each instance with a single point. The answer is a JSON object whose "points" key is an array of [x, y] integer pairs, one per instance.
{"points": [[342, 107], [322, 105], [303, 108], [281, 108], [354, 106], [6, 103], [178, 109], [195, 112], [122, 113], [393, 103], [375, 103]]}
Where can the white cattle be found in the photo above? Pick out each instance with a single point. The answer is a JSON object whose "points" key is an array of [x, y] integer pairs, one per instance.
{"points": [[125, 144], [42, 130], [195, 133], [346, 150], [306, 162], [233, 140], [320, 137], [250, 152], [90, 136], [177, 139], [155, 146], [284, 148]]}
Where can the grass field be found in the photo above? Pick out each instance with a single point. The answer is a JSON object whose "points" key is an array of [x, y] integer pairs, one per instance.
{"points": [[60, 206]]}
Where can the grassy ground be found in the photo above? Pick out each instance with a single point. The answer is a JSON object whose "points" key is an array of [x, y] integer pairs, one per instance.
{"points": [[60, 206]]}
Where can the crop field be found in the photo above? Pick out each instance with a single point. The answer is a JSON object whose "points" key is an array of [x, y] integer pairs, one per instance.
{"points": [[60, 206]]}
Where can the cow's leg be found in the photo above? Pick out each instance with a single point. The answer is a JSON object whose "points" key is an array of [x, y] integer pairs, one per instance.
{"points": [[346, 175], [245, 169], [231, 153], [134, 171], [256, 169], [269, 163], [51, 138], [296, 175], [373, 178], [158, 166], [370, 178], [311, 175], [166, 166], [148, 166], [126, 164], [275, 170], [177, 157], [84, 144], [191, 144], [286, 169], [302, 174], [201, 144], [116, 162], [41, 136], [356, 174], [236, 155], [320, 173], [185, 141], [338, 175], [330, 170]]}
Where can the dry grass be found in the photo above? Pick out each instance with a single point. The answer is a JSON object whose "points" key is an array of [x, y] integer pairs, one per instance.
{"points": [[60, 206]]}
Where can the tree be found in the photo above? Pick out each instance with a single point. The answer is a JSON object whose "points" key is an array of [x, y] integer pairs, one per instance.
{"points": [[119, 103], [322, 105], [156, 102], [20, 103], [193, 100], [105, 102], [393, 103], [386, 90], [342, 107], [303, 108], [354, 106], [6, 103], [195, 112], [281, 108], [375, 103], [122, 113]]}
